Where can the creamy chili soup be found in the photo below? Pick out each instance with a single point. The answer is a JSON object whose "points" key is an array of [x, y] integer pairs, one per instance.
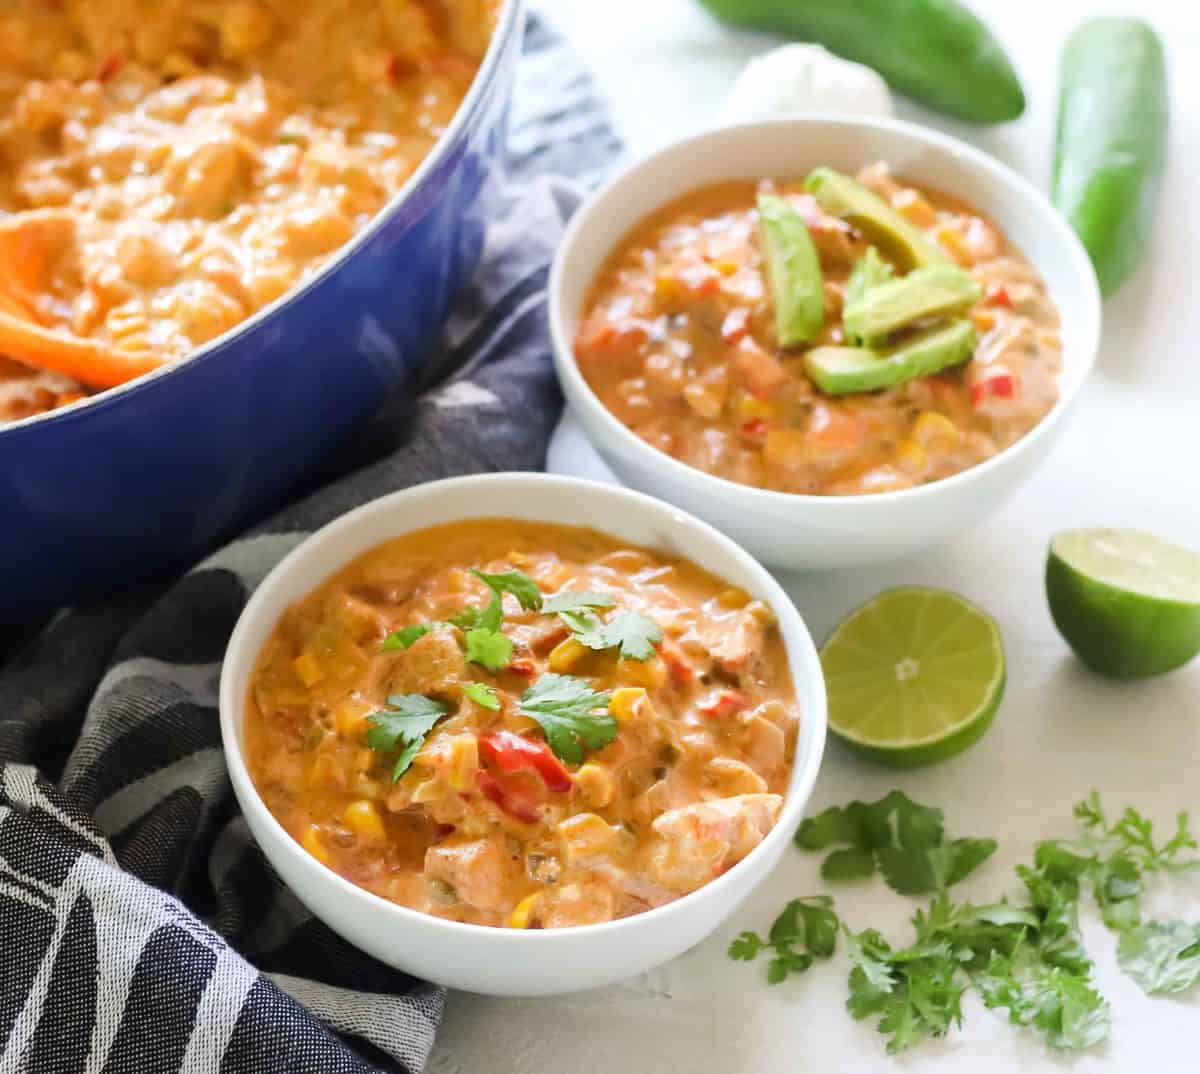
{"points": [[172, 166], [510, 723], [916, 342]]}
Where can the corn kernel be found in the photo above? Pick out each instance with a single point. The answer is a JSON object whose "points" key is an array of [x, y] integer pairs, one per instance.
{"points": [[462, 757], [566, 654], [911, 455], [179, 65], [428, 791], [363, 819], [931, 427], [984, 320], [707, 400], [726, 266], [749, 408], [650, 674], [913, 207], [666, 288], [626, 703], [312, 843], [523, 912], [350, 717], [308, 668], [324, 772], [585, 835], [733, 598], [952, 240], [596, 785]]}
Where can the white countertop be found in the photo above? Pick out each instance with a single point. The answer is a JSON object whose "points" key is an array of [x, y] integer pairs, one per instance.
{"points": [[1129, 458]]}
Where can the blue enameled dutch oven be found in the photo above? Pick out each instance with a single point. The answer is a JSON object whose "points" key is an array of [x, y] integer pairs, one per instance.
{"points": [[150, 475]]}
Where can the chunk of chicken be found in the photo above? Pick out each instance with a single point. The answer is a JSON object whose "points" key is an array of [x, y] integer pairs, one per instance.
{"points": [[698, 842], [431, 665], [475, 872]]}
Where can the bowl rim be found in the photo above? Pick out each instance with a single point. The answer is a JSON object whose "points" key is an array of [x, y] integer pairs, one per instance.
{"points": [[510, 22], [801, 652], [964, 156]]}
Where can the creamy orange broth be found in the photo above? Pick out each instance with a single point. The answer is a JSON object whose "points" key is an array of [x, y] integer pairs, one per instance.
{"points": [[689, 786], [678, 341], [178, 164]]}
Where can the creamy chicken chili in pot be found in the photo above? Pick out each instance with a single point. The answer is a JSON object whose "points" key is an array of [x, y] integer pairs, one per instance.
{"points": [[511, 723], [839, 336], [171, 166]]}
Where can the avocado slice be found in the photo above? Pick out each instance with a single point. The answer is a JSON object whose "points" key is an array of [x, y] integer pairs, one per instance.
{"points": [[872, 314], [869, 272], [841, 196], [842, 370], [793, 271]]}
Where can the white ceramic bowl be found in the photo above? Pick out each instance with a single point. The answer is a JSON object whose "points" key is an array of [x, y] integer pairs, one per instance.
{"points": [[785, 529], [493, 960]]}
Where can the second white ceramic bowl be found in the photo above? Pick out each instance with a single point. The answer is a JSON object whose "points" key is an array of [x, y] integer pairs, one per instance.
{"points": [[515, 962], [785, 529]]}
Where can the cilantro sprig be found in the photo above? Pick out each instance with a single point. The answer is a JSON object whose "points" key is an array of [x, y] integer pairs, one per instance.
{"points": [[906, 841], [805, 931], [403, 727], [1026, 958], [573, 715]]}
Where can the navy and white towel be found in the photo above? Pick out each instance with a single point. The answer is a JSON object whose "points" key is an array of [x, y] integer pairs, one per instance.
{"points": [[141, 930]]}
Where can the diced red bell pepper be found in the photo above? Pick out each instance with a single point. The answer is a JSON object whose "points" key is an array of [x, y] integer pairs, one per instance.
{"points": [[680, 671], [527, 668], [110, 65], [997, 383], [736, 325], [754, 429], [515, 753], [509, 794], [724, 704], [997, 295]]}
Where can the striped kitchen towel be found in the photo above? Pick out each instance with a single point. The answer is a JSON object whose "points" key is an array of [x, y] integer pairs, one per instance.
{"points": [[141, 930]]}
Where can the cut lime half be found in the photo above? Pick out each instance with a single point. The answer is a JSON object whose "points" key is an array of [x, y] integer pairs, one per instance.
{"points": [[914, 676], [1127, 602]]}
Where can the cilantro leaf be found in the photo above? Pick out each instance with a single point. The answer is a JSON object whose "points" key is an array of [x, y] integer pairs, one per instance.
{"points": [[573, 715], [849, 863], [468, 618], [915, 991], [630, 632], [483, 694], [804, 931], [518, 583], [633, 634], [571, 600], [489, 648], [406, 637], [746, 947], [905, 839], [1161, 956], [1061, 1005], [403, 727]]}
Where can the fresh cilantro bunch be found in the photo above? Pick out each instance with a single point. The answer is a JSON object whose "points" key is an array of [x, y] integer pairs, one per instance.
{"points": [[906, 841], [806, 930]]}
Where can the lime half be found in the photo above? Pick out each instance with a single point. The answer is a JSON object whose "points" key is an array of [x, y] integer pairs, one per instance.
{"points": [[914, 676], [1128, 603]]}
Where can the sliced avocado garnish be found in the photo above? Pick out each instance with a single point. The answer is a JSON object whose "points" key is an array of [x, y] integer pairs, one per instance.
{"points": [[874, 313], [793, 271], [843, 197], [843, 370], [868, 273]]}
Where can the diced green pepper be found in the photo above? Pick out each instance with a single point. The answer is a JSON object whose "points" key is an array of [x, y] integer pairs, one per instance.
{"points": [[841, 196], [793, 271], [843, 370], [873, 314]]}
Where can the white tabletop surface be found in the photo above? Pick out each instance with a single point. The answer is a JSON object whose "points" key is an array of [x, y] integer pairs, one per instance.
{"points": [[1130, 458]]}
